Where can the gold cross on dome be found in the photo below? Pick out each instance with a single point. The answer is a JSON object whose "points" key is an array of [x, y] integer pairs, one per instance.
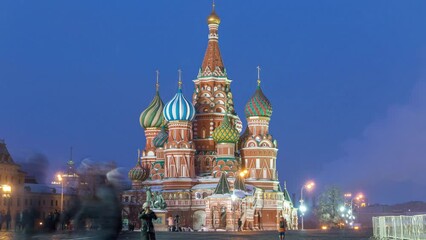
{"points": [[258, 75], [157, 85], [180, 78]]}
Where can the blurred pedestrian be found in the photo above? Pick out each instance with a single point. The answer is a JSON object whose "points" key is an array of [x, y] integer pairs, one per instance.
{"points": [[282, 228], [147, 227], [240, 223]]}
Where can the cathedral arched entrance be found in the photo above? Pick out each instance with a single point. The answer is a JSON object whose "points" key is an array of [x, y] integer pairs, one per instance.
{"points": [[199, 218]]}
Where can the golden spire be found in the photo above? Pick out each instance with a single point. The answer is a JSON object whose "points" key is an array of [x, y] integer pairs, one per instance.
{"points": [[213, 18], [258, 76], [180, 78], [157, 85]]}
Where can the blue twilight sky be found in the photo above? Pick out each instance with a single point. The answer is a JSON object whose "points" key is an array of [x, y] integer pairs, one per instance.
{"points": [[346, 80]]}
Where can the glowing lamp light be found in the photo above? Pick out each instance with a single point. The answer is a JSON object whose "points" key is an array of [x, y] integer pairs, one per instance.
{"points": [[59, 177], [7, 188], [310, 185], [303, 208], [233, 197], [342, 208], [324, 227]]}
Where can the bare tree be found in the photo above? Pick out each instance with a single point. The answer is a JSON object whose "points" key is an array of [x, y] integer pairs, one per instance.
{"points": [[328, 206]]}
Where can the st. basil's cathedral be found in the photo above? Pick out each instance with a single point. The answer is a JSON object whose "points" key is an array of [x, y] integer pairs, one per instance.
{"points": [[197, 163]]}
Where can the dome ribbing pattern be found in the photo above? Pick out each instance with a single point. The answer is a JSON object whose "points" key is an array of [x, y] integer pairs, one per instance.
{"points": [[258, 105], [152, 116], [138, 173], [161, 138], [226, 133], [179, 109]]}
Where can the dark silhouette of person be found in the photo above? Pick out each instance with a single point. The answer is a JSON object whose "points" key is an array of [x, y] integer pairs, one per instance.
{"points": [[239, 224], [147, 227], [282, 228], [8, 219]]}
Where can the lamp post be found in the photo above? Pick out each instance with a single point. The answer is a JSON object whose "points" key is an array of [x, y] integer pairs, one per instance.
{"points": [[62, 192], [302, 206]]}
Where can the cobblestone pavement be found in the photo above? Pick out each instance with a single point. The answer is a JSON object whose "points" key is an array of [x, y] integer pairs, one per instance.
{"points": [[291, 235]]}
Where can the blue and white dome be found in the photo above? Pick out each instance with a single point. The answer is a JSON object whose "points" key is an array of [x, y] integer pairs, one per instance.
{"points": [[179, 109]]}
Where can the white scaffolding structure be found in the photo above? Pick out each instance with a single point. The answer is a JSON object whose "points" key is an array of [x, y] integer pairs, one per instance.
{"points": [[400, 227]]}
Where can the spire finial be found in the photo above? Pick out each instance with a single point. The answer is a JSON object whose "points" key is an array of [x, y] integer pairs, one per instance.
{"points": [[71, 153], [213, 5], [258, 75], [139, 155], [157, 84], [180, 78], [285, 184]]}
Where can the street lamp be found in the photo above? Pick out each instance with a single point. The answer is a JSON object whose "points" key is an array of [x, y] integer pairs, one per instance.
{"points": [[62, 192], [302, 207]]}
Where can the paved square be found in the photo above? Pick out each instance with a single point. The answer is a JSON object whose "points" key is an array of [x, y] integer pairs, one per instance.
{"points": [[293, 235]]}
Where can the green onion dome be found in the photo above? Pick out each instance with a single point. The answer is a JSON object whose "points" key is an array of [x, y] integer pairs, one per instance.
{"points": [[138, 173], [258, 105], [226, 133], [153, 115], [161, 138]]}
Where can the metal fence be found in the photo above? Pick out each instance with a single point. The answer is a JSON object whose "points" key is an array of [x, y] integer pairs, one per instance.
{"points": [[400, 227]]}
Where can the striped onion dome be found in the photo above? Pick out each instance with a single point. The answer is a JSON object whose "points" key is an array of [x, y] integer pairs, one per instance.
{"points": [[161, 138], [179, 109], [258, 105], [226, 133], [138, 173], [152, 116]]}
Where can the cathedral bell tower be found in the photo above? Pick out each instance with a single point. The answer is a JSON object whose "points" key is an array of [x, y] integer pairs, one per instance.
{"points": [[152, 120], [258, 148], [179, 149], [212, 93]]}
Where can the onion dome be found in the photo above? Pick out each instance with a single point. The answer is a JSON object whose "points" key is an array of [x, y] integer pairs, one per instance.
{"points": [[138, 173], [258, 105], [152, 116], [179, 109], [161, 138], [213, 18], [226, 133]]}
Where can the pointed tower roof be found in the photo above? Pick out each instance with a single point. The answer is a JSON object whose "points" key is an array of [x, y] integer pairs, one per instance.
{"points": [[152, 116], [222, 185], [239, 183], [5, 156], [213, 64], [70, 164], [286, 194]]}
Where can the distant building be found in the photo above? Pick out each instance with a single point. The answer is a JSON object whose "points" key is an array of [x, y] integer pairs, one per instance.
{"points": [[196, 159], [11, 184], [25, 193]]}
